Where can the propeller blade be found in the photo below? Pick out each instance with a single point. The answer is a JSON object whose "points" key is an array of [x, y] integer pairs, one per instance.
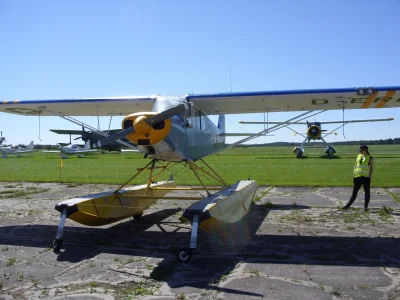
{"points": [[79, 137], [112, 138], [166, 114]]}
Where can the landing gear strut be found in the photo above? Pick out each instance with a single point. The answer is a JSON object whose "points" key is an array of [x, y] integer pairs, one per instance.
{"points": [[57, 242], [185, 254]]}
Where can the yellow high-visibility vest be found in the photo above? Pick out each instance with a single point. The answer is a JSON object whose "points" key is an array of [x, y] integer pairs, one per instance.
{"points": [[362, 166]]}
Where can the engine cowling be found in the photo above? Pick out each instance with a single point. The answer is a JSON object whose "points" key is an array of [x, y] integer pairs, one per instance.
{"points": [[145, 134], [314, 132]]}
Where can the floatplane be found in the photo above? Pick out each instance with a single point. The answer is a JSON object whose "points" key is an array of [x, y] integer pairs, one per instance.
{"points": [[315, 132], [174, 129]]}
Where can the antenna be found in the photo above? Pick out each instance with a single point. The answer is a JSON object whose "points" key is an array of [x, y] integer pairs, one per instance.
{"points": [[230, 77]]}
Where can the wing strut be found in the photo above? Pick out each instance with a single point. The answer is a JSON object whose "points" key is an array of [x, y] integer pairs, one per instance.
{"points": [[77, 122], [39, 126], [343, 106]]}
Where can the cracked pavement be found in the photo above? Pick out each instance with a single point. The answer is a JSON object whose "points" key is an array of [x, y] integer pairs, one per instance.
{"points": [[294, 244]]}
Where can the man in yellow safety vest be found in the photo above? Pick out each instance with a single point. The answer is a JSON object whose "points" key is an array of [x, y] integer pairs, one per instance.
{"points": [[363, 169]]}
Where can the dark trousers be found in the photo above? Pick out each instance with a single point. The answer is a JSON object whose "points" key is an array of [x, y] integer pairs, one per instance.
{"points": [[358, 182]]}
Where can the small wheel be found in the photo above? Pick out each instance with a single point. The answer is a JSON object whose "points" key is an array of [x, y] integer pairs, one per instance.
{"points": [[185, 255], [57, 243], [330, 153], [138, 217]]}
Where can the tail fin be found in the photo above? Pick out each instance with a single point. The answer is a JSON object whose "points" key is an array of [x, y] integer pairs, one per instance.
{"points": [[221, 124], [30, 146]]}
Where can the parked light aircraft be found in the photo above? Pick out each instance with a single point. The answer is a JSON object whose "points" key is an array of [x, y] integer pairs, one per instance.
{"points": [[93, 137], [67, 150], [174, 129], [315, 132], [16, 150]]}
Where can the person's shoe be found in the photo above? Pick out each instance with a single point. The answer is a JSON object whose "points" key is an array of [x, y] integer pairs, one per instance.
{"points": [[365, 209], [345, 207]]}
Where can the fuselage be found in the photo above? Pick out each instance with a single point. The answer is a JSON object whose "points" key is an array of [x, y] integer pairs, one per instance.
{"points": [[187, 136], [71, 149]]}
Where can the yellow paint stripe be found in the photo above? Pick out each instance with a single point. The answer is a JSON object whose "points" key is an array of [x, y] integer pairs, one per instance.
{"points": [[5, 102], [15, 101], [389, 94], [370, 99]]}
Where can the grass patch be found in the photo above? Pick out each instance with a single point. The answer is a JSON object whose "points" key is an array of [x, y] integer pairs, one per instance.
{"points": [[11, 261], [10, 186], [269, 204], [21, 193], [276, 168], [393, 195], [137, 290], [385, 214]]}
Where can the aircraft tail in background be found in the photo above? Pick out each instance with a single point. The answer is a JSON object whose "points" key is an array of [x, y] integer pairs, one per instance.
{"points": [[30, 146]]}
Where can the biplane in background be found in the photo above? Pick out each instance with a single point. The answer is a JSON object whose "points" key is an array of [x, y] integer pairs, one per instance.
{"points": [[16, 150], [175, 129], [315, 133], [93, 137]]}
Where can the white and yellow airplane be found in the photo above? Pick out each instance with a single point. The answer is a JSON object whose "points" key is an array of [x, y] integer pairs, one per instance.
{"points": [[5, 151], [174, 129]]}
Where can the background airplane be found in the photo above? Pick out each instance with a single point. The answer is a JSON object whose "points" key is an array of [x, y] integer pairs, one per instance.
{"points": [[67, 150], [94, 137], [315, 131], [16, 150], [2, 139]]}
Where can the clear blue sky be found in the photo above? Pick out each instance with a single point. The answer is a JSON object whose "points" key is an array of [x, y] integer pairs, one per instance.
{"points": [[90, 48]]}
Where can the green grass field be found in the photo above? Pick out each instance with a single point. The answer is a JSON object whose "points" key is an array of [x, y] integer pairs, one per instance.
{"points": [[270, 166]]}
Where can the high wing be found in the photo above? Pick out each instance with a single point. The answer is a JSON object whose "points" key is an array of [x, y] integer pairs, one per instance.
{"points": [[111, 106], [324, 122], [223, 103], [297, 100]]}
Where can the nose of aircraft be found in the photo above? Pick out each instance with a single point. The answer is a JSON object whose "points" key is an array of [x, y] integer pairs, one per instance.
{"points": [[143, 132]]}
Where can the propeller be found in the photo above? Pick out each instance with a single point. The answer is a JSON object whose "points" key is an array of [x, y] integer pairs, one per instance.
{"points": [[111, 138], [151, 121], [85, 136], [166, 114], [2, 139]]}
